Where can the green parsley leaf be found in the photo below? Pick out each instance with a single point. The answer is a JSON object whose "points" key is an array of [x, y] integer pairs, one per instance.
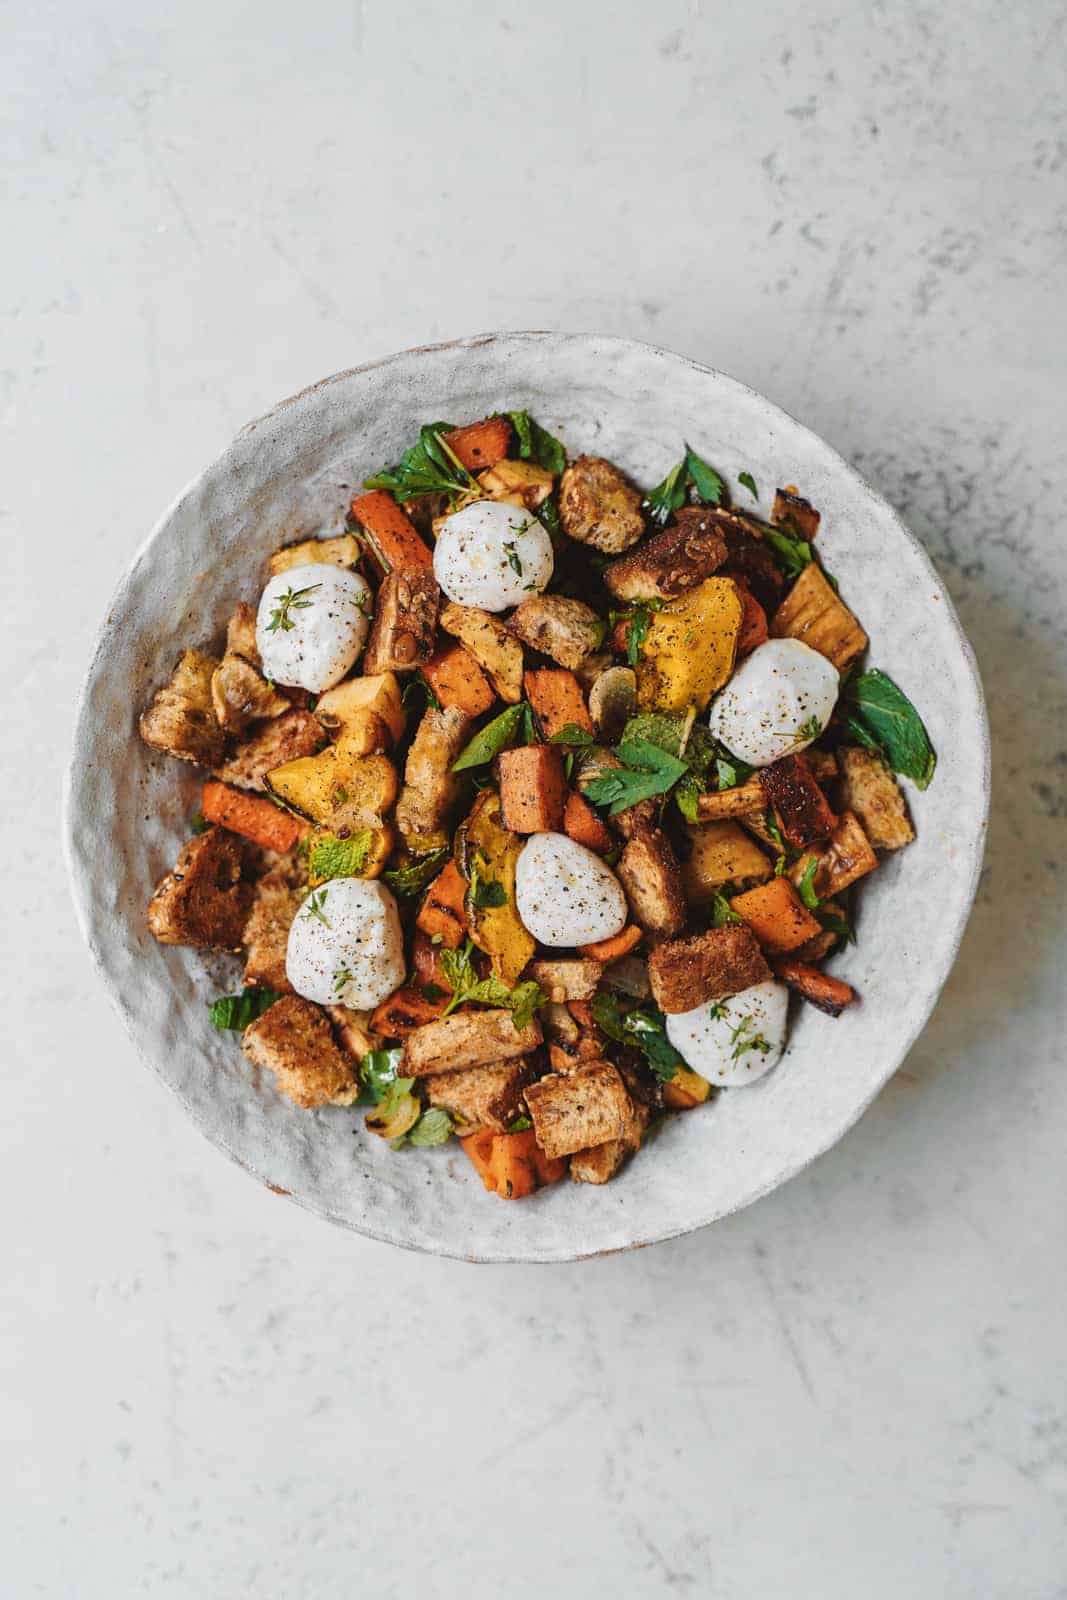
{"points": [[434, 1127], [770, 822], [537, 444], [722, 912], [646, 771], [806, 886], [747, 481], [644, 1027], [883, 718], [704, 478], [667, 497], [458, 967], [490, 740], [520, 1125], [333, 857], [236, 1011], [412, 879], [571, 733]]}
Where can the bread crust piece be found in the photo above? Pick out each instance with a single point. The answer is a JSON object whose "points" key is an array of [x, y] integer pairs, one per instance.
{"points": [[685, 973], [598, 506], [205, 900], [181, 719], [652, 879], [671, 562], [601, 1162], [431, 788], [293, 1040], [744, 800], [483, 1097], [567, 980], [567, 630], [467, 1039], [271, 744], [266, 936], [239, 692], [871, 791], [403, 632], [802, 808], [585, 1108]]}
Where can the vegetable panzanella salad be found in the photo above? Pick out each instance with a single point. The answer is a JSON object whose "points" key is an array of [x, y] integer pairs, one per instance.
{"points": [[532, 798]]}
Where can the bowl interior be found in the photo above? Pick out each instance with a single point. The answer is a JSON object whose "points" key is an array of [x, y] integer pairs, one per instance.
{"points": [[288, 474]]}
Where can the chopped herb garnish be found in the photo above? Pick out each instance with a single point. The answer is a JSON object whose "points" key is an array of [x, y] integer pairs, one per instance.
{"points": [[793, 554], [646, 771], [644, 1027], [430, 467], [236, 1011], [291, 600], [198, 822], [313, 907], [670, 495], [342, 976], [330, 856], [512, 554], [487, 892], [412, 879], [722, 912], [458, 967], [520, 1125], [745, 1038], [747, 481], [378, 1069]]}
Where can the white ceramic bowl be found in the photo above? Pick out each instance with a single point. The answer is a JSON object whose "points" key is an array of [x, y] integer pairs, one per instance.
{"points": [[128, 809]]}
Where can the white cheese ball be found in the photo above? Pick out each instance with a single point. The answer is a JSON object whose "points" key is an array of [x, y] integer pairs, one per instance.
{"points": [[345, 945], [733, 1042], [565, 894], [777, 702], [311, 625], [492, 555]]}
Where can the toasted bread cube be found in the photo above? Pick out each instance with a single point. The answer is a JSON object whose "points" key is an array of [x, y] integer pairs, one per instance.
{"points": [[293, 1040], [286, 738], [846, 857], [266, 936], [525, 480], [483, 1097], [205, 900], [431, 789], [685, 973], [567, 980], [871, 791], [722, 853], [598, 506], [814, 614], [181, 720], [533, 791], [240, 694], [567, 630], [671, 562], [405, 622], [601, 1162], [584, 1108], [353, 1030], [649, 873], [741, 801], [468, 1039], [803, 811]]}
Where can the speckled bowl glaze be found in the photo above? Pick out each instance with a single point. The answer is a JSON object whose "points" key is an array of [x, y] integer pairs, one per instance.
{"points": [[127, 808]]}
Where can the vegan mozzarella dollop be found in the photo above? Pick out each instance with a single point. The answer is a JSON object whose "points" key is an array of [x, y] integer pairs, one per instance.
{"points": [[777, 702], [733, 1042], [492, 555], [345, 945], [565, 895], [311, 625]]}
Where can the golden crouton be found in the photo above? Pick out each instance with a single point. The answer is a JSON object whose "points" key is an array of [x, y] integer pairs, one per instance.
{"points": [[652, 879], [814, 614], [671, 562], [205, 900], [431, 789], [285, 738], [567, 980], [181, 720], [467, 1039], [584, 1108], [707, 966], [403, 633], [601, 1162], [741, 801], [599, 507], [482, 1097], [266, 937], [523, 481], [567, 630], [294, 1041], [871, 791], [340, 551]]}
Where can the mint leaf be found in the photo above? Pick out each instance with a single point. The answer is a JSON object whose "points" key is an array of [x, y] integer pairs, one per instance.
{"points": [[236, 1011], [883, 718], [643, 1027]]}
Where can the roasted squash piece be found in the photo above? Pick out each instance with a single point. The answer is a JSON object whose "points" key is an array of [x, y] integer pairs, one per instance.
{"points": [[846, 856], [814, 614], [358, 854], [777, 916], [345, 709], [690, 648], [339, 786], [494, 647], [341, 551], [525, 480], [487, 853], [722, 853]]}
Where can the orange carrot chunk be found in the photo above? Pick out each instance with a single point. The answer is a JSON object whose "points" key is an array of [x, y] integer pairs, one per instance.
{"points": [[581, 823], [405, 1011], [391, 532], [252, 817], [557, 699], [458, 681], [441, 914], [753, 622], [511, 1165], [613, 949], [831, 995], [481, 444]]}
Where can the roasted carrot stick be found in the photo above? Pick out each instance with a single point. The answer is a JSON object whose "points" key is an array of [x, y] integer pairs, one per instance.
{"points": [[251, 816], [391, 532], [613, 949], [481, 444]]}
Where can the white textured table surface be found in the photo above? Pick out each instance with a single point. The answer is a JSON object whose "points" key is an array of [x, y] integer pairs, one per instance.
{"points": [[856, 1387]]}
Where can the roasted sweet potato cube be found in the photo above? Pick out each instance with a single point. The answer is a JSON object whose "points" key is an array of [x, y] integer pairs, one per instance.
{"points": [[803, 811], [557, 700], [777, 915], [584, 1108], [533, 791], [707, 966], [442, 915], [871, 791], [293, 1040], [814, 614], [581, 823], [722, 853]]}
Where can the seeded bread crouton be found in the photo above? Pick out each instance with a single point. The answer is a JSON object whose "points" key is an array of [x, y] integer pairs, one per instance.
{"points": [[467, 1039], [294, 1041], [871, 791], [599, 507], [707, 966], [270, 745], [567, 630], [584, 1108], [483, 1097], [652, 879], [671, 562]]}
